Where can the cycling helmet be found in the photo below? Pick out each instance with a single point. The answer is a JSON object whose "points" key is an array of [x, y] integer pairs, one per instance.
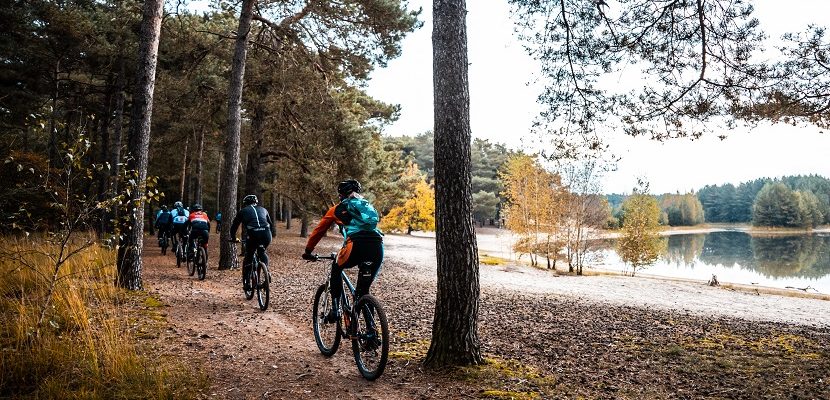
{"points": [[196, 207], [348, 186], [178, 204], [164, 208], [250, 199]]}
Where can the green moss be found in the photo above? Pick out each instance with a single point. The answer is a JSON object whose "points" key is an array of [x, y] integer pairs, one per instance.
{"points": [[509, 395], [153, 302]]}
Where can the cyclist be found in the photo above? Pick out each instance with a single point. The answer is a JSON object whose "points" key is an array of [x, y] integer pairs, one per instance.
{"points": [[218, 220], [362, 245], [163, 222], [258, 228], [198, 223], [179, 215]]}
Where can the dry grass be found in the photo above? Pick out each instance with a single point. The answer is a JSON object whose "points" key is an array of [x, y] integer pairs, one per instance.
{"points": [[83, 348]]}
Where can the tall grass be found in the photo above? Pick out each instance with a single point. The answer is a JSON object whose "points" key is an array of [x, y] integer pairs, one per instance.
{"points": [[83, 348]]}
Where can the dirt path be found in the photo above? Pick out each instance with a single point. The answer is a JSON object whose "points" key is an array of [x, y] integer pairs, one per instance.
{"points": [[252, 354]]}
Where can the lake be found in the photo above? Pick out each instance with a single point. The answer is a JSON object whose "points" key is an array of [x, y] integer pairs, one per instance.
{"points": [[798, 260]]}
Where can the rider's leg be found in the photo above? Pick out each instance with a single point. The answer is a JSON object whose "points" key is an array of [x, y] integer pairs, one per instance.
{"points": [[250, 246], [369, 256]]}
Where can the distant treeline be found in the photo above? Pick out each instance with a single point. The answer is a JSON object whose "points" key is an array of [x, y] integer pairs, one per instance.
{"points": [[791, 201]]}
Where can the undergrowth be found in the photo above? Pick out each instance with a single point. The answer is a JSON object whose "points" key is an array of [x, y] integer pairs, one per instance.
{"points": [[84, 346]]}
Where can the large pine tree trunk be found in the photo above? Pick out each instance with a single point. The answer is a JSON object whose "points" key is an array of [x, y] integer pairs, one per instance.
{"points": [[455, 326], [129, 251], [230, 175], [197, 173]]}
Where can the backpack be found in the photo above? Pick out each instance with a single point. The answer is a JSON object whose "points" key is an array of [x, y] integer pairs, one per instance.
{"points": [[364, 217], [180, 217]]}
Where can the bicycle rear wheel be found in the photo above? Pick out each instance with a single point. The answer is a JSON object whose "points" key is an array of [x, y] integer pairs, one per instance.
{"points": [[247, 284], [201, 263], [191, 262], [326, 334], [263, 289], [370, 343], [179, 254]]}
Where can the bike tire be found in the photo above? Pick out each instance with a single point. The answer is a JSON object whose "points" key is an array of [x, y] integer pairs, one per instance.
{"points": [[322, 305], [191, 264], [246, 280], [178, 255], [201, 260], [263, 289], [371, 349], [164, 250]]}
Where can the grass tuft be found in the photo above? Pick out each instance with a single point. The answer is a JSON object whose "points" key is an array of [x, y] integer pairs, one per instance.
{"points": [[84, 347]]}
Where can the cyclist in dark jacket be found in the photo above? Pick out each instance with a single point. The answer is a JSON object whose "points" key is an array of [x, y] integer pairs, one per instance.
{"points": [[164, 222], [258, 228], [362, 245]]}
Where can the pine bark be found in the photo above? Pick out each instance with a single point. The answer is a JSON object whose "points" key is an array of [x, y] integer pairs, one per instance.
{"points": [[455, 324], [230, 176], [129, 251]]}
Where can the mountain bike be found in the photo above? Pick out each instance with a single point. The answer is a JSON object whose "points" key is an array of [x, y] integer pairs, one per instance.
{"points": [[178, 249], [197, 259], [163, 242], [362, 320], [257, 278]]}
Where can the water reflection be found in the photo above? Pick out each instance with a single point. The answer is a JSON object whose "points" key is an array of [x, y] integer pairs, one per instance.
{"points": [[799, 259]]}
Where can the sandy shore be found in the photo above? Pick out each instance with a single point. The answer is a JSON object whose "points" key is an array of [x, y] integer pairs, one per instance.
{"points": [[647, 292]]}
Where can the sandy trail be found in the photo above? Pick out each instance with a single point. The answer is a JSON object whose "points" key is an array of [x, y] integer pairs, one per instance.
{"points": [[646, 292], [248, 353]]}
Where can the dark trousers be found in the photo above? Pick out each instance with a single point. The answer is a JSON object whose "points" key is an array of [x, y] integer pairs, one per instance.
{"points": [[254, 240], [367, 256]]}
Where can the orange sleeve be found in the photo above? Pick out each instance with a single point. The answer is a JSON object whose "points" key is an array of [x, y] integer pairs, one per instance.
{"points": [[320, 230]]}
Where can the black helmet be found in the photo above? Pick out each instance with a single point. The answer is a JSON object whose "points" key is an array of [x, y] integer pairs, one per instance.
{"points": [[348, 186], [196, 207], [178, 204], [164, 207], [250, 199]]}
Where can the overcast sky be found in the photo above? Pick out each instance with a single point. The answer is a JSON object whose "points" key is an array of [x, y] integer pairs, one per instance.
{"points": [[503, 106]]}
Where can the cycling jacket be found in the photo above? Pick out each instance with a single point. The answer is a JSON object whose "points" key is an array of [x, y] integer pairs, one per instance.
{"points": [[198, 220], [163, 218], [255, 218], [179, 216], [355, 216]]}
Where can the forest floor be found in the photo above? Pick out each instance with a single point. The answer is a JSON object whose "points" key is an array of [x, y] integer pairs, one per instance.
{"points": [[543, 336]]}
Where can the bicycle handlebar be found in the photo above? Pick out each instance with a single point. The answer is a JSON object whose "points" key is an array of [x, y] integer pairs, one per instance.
{"points": [[318, 257]]}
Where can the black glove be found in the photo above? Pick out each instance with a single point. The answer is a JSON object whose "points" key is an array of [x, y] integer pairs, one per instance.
{"points": [[308, 256]]}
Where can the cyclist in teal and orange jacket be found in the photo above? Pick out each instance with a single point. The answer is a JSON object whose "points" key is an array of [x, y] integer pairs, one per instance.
{"points": [[362, 246]]}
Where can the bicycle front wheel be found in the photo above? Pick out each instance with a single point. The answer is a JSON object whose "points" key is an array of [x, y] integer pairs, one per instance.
{"points": [[326, 334], [201, 263], [263, 289], [370, 343]]}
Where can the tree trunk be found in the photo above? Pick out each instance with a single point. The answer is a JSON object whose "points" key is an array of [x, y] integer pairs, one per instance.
{"points": [[183, 180], [132, 238], [252, 172], [455, 324], [273, 209], [230, 175], [304, 226], [197, 173], [288, 210], [219, 180]]}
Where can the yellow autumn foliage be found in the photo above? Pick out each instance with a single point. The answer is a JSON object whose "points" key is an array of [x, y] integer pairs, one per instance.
{"points": [[416, 214]]}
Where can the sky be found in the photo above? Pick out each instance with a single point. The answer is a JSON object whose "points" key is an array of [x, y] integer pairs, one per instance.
{"points": [[503, 106]]}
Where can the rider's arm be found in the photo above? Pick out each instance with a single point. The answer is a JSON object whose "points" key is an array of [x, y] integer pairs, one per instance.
{"points": [[320, 230]]}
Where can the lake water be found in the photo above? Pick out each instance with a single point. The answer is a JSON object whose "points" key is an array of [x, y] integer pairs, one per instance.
{"points": [[779, 261]]}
